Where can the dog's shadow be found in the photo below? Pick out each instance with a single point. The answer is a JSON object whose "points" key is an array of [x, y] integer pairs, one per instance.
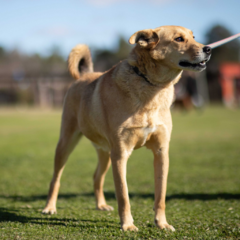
{"points": [[14, 215], [185, 196], [111, 195]]}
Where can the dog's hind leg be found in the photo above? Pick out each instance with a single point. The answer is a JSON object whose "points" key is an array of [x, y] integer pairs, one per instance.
{"points": [[104, 163], [69, 137]]}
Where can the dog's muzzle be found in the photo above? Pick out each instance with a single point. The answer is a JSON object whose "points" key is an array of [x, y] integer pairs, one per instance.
{"points": [[200, 64], [207, 50]]}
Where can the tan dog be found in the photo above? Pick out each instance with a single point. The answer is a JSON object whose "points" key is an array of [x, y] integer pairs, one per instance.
{"points": [[126, 108]]}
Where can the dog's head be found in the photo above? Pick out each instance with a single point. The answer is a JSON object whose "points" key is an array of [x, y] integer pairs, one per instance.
{"points": [[172, 46]]}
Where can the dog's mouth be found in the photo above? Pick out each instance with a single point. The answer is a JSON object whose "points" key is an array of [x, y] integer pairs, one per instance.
{"points": [[200, 65]]}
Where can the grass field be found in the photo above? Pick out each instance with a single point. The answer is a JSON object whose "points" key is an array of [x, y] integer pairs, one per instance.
{"points": [[203, 196]]}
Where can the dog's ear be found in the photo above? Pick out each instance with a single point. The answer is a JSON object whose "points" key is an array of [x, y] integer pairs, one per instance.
{"points": [[145, 38]]}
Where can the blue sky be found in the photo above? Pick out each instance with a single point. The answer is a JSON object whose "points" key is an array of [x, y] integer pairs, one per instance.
{"points": [[38, 25]]}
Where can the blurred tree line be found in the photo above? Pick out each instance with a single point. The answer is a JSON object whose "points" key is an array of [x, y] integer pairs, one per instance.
{"points": [[18, 65], [55, 63], [13, 63]]}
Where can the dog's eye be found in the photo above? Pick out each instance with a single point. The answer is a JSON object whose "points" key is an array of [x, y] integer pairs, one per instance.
{"points": [[179, 39]]}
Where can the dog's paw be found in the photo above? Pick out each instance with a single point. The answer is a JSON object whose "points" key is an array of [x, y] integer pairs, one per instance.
{"points": [[164, 226], [49, 210], [131, 227], [105, 208]]}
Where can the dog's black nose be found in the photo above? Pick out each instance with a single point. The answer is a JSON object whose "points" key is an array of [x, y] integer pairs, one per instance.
{"points": [[207, 50]]}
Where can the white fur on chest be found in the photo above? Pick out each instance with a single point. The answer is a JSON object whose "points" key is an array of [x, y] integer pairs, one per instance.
{"points": [[102, 145], [146, 132]]}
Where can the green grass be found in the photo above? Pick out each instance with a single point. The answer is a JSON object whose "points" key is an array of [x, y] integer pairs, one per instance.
{"points": [[203, 196]]}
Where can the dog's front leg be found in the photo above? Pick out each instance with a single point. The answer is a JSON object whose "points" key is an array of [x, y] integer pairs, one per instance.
{"points": [[119, 165], [161, 164]]}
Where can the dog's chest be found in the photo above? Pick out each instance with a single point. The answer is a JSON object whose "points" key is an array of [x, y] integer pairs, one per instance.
{"points": [[137, 137], [147, 131], [140, 128]]}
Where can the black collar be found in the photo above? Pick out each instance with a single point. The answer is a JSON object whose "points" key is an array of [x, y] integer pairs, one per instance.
{"points": [[136, 70]]}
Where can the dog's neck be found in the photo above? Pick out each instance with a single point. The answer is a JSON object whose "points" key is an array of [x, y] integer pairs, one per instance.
{"points": [[144, 95], [155, 72], [136, 70]]}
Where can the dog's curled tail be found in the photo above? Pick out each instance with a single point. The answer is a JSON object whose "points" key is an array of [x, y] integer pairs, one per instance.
{"points": [[80, 61]]}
